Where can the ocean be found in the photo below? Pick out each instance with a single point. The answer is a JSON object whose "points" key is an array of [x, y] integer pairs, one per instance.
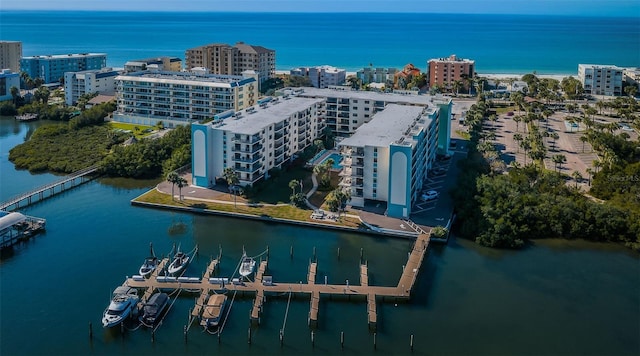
{"points": [[498, 43]]}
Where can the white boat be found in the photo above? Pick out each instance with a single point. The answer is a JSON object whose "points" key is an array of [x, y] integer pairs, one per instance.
{"points": [[122, 304], [150, 264], [154, 308], [212, 312], [247, 266], [178, 264]]}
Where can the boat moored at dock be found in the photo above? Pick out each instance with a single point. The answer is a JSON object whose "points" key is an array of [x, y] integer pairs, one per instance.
{"points": [[212, 312], [122, 305], [247, 266], [153, 308]]}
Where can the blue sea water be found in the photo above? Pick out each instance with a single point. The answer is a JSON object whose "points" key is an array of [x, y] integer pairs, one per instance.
{"points": [[498, 43]]}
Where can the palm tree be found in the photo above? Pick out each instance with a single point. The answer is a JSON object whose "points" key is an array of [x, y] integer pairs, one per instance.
{"points": [[558, 159], [518, 138], [517, 120], [583, 139], [526, 146], [181, 182], [15, 93], [577, 177], [293, 184], [597, 165], [590, 173], [172, 178], [457, 85], [555, 137]]}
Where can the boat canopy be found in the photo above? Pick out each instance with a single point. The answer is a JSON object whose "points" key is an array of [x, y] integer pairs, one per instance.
{"points": [[10, 219]]}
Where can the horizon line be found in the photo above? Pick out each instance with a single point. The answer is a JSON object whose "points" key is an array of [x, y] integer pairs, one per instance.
{"points": [[313, 12]]}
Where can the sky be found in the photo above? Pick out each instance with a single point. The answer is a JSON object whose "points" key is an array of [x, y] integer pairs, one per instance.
{"points": [[629, 8]]}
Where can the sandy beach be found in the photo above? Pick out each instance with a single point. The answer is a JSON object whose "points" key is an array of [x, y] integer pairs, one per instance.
{"points": [[500, 76]]}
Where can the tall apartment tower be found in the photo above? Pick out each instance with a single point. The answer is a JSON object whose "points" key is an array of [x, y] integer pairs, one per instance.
{"points": [[10, 54], [445, 71], [221, 58]]}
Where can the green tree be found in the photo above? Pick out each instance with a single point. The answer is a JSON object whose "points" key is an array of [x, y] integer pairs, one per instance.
{"points": [[15, 94], [181, 183], [631, 90], [42, 94], [558, 160]]}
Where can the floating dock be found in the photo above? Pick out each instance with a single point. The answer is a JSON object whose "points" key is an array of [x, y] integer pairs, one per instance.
{"points": [[264, 285]]}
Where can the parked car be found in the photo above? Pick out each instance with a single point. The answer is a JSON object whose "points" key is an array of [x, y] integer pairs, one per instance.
{"points": [[510, 113], [430, 195], [437, 172], [444, 157]]}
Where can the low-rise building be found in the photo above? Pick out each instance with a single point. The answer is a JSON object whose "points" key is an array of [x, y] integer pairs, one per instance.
{"points": [[370, 75], [632, 77], [10, 54], [8, 79], [254, 140], [179, 98], [321, 76], [100, 81], [52, 68], [168, 64], [600, 79]]}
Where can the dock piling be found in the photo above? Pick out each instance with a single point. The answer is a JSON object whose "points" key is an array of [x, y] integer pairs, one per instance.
{"points": [[122, 329], [375, 345], [314, 253], [313, 339], [411, 342], [361, 254], [90, 330], [249, 336], [184, 330], [342, 339], [291, 252], [281, 338], [338, 253], [153, 335]]}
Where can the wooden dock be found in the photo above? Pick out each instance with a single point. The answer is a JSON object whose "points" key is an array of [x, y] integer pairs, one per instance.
{"points": [[202, 299], [51, 189], [401, 291]]}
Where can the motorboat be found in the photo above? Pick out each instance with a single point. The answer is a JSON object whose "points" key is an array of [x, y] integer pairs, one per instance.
{"points": [[247, 266], [153, 308], [150, 264], [212, 312], [123, 302], [178, 264]]}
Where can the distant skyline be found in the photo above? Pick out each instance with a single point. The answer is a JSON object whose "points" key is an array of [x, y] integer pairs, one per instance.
{"points": [[628, 8]]}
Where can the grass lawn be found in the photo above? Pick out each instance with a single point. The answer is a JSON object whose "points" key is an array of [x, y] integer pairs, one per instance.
{"points": [[280, 212], [276, 190], [132, 127]]}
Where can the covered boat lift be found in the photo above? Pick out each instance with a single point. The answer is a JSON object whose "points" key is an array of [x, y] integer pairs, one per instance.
{"points": [[16, 226]]}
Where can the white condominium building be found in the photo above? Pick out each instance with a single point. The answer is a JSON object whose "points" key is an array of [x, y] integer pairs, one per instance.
{"points": [[164, 63], [321, 76], [347, 110], [387, 159], [600, 79], [77, 84], [254, 140], [179, 98]]}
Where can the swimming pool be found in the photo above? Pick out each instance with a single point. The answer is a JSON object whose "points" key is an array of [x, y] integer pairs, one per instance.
{"points": [[337, 158]]}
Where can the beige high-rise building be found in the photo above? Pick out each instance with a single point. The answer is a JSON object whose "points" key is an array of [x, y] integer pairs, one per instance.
{"points": [[221, 58], [10, 54]]}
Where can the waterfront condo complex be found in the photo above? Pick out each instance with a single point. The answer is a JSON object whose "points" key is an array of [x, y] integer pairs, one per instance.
{"points": [[220, 58], [385, 154], [600, 79], [52, 68], [444, 72], [179, 98], [10, 54], [99, 81], [255, 140]]}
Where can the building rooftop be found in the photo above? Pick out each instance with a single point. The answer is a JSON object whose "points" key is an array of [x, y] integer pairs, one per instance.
{"points": [[452, 58], [215, 80], [63, 56], [254, 119], [600, 66], [392, 124], [349, 93]]}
